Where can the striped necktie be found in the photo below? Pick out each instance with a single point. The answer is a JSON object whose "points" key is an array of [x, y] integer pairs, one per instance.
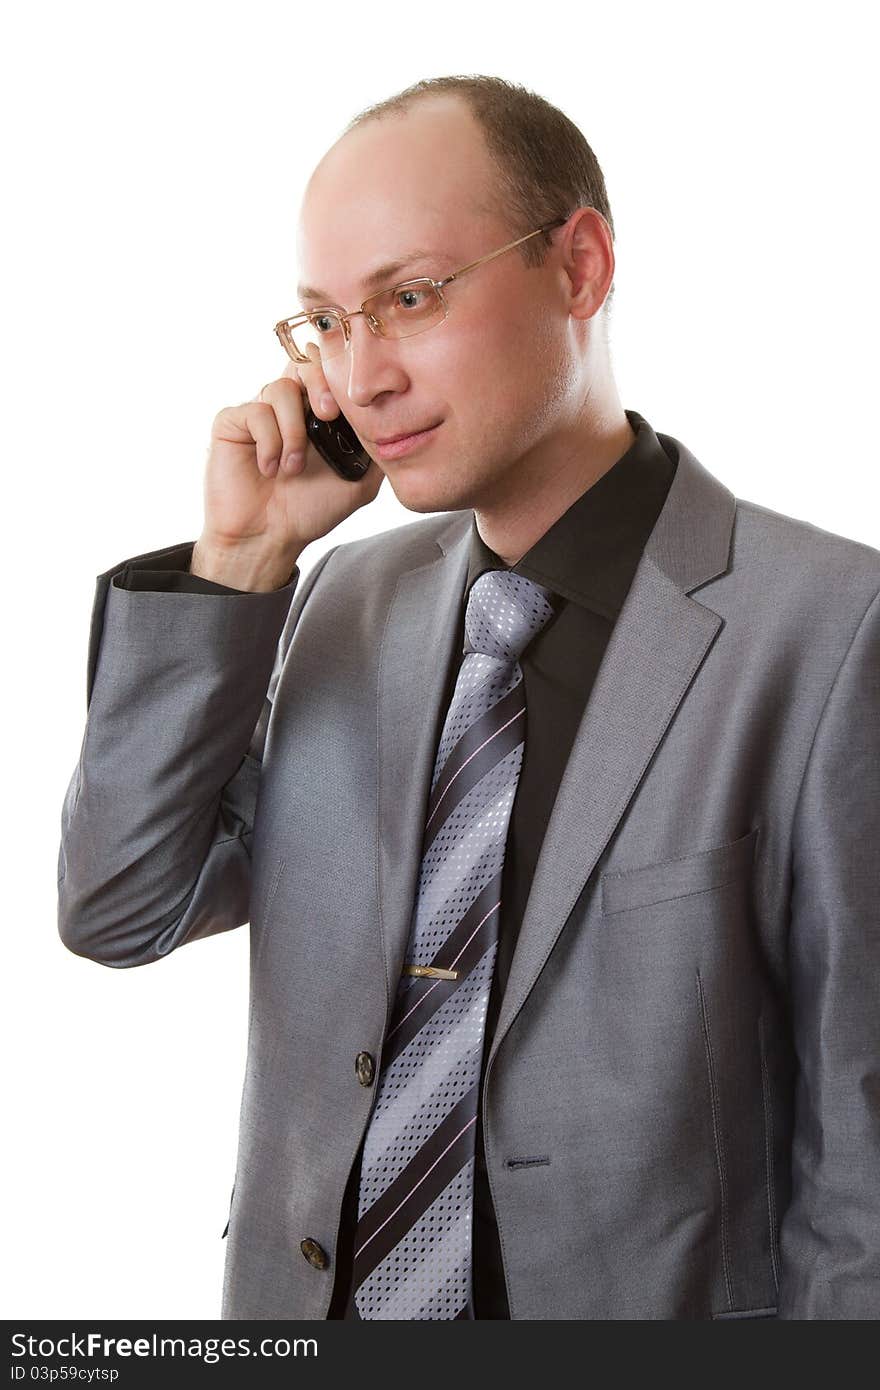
{"points": [[413, 1240]]}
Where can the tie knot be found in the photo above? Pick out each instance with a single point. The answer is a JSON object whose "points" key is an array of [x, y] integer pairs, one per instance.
{"points": [[504, 612]]}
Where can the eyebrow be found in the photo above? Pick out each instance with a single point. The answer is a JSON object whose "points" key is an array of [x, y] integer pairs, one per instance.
{"points": [[375, 277]]}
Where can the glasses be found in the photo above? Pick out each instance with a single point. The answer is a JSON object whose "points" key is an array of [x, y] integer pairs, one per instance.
{"points": [[400, 312]]}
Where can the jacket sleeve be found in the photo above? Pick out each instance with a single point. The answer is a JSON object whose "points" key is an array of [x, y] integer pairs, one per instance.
{"points": [[830, 1233], [168, 570], [157, 820]]}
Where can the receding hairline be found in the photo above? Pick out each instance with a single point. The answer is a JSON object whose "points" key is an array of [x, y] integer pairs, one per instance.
{"points": [[487, 202], [484, 203]]}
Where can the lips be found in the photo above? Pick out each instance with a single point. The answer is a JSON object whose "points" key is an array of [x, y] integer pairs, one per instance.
{"points": [[420, 429]]}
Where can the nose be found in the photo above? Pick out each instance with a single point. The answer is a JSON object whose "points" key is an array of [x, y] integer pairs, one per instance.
{"points": [[373, 364]]}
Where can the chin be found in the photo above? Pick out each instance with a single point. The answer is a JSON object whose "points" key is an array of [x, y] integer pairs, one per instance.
{"points": [[427, 492], [431, 500], [424, 504]]}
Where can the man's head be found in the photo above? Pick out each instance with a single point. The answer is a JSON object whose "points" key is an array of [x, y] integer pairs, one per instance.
{"points": [[508, 372]]}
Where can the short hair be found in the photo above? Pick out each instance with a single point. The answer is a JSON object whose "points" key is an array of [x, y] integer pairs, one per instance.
{"points": [[546, 169]]}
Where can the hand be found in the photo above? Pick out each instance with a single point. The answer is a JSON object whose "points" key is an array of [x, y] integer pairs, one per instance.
{"points": [[267, 490]]}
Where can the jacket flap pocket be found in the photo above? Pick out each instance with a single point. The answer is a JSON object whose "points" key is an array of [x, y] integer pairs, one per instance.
{"points": [[675, 878]]}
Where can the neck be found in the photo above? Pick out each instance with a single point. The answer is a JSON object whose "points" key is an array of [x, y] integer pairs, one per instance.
{"points": [[546, 483]]}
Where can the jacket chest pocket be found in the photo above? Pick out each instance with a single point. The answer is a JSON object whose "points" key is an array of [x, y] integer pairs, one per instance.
{"points": [[624, 889]]}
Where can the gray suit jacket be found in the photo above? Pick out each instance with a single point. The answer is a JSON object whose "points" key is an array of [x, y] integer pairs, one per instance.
{"points": [[682, 1105]]}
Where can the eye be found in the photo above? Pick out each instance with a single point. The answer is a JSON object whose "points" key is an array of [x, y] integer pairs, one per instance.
{"points": [[325, 323], [409, 298]]}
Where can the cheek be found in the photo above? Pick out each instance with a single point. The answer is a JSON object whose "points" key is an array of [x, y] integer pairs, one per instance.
{"points": [[478, 368], [481, 368], [451, 373]]}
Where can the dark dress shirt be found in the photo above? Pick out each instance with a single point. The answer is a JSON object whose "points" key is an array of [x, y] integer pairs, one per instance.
{"points": [[587, 558]]}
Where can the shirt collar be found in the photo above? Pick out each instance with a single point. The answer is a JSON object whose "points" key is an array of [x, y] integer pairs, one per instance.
{"points": [[591, 552]]}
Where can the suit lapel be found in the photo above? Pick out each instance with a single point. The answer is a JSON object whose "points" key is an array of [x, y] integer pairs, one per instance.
{"points": [[414, 662]]}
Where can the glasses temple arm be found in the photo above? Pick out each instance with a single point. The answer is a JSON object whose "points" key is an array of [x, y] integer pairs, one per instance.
{"points": [[558, 222]]}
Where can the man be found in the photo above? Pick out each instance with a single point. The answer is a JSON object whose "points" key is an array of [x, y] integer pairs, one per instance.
{"points": [[554, 820]]}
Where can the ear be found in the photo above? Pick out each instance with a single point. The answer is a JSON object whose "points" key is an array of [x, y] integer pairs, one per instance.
{"points": [[587, 261]]}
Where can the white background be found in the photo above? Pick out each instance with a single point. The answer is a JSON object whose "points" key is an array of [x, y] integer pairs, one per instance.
{"points": [[157, 157]]}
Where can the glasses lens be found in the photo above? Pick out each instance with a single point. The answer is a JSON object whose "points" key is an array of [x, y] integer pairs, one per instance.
{"points": [[406, 309], [324, 329], [396, 313]]}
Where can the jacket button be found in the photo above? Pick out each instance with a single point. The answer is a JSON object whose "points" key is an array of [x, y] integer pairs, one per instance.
{"points": [[314, 1253], [365, 1068]]}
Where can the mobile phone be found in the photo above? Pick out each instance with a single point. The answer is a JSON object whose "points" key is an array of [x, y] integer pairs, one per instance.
{"points": [[337, 443]]}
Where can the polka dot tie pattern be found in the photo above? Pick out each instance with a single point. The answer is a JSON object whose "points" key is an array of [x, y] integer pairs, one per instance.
{"points": [[413, 1241]]}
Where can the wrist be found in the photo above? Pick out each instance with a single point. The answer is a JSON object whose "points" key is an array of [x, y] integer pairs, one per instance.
{"points": [[242, 566]]}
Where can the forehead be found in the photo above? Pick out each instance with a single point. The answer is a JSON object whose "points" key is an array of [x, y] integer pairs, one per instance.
{"points": [[417, 182]]}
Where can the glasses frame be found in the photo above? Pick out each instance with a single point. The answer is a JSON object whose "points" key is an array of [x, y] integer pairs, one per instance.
{"points": [[284, 326]]}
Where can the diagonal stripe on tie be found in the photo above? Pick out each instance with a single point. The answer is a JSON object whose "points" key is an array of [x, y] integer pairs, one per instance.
{"points": [[465, 947], [486, 758], [482, 682], [447, 895], [429, 1172], [413, 1109], [468, 836], [410, 1106], [415, 1268], [475, 752]]}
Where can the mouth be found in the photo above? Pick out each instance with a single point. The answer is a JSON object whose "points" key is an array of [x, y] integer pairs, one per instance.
{"points": [[396, 445]]}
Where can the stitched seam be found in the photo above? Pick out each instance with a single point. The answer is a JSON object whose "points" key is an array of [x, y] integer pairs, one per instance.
{"points": [[768, 1151], [719, 1147], [274, 886]]}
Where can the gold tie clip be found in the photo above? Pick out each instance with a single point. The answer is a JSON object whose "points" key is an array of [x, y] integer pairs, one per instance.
{"points": [[434, 972]]}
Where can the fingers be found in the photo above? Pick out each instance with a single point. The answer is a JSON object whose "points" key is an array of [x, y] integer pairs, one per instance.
{"points": [[287, 399], [260, 420], [313, 379], [283, 440]]}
